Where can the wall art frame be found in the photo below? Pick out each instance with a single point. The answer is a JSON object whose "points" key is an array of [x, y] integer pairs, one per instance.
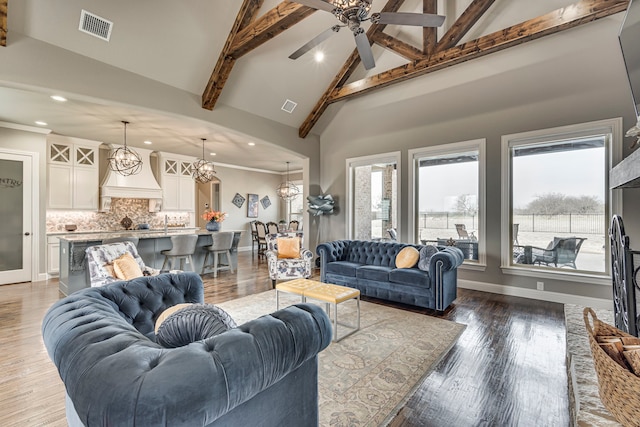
{"points": [[252, 205]]}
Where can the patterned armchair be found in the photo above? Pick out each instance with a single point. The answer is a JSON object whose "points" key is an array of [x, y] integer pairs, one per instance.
{"points": [[100, 259], [287, 268]]}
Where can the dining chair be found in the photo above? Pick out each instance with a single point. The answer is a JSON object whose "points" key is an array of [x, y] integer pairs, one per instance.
{"points": [[293, 225], [272, 228], [261, 231]]}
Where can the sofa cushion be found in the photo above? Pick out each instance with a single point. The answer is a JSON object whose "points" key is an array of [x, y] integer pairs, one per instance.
{"points": [[193, 323], [373, 272], [425, 256], [407, 257], [410, 276], [343, 268]]}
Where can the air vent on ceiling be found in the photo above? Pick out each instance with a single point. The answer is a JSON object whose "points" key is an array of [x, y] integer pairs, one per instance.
{"points": [[289, 105], [95, 25]]}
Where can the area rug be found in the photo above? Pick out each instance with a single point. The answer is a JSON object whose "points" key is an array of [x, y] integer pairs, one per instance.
{"points": [[587, 408], [367, 377]]}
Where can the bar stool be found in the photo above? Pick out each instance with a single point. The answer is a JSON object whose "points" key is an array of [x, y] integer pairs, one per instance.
{"points": [[133, 240], [182, 247], [221, 245]]}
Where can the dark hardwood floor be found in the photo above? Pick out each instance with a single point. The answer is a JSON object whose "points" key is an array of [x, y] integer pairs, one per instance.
{"points": [[507, 368]]}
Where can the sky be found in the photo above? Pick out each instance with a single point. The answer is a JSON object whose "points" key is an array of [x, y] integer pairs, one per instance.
{"points": [[576, 173]]}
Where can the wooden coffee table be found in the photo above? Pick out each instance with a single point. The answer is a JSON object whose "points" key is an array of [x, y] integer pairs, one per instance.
{"points": [[329, 294]]}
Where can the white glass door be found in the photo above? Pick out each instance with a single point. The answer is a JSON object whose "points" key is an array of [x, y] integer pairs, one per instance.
{"points": [[15, 218]]}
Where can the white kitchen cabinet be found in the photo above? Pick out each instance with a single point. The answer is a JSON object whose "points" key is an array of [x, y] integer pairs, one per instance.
{"points": [[72, 173], [178, 186], [53, 256]]}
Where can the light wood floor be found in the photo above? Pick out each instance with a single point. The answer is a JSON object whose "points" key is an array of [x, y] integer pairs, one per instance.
{"points": [[507, 369]]}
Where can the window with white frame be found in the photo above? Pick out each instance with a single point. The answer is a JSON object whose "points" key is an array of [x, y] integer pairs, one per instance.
{"points": [[372, 189], [448, 196], [556, 198]]}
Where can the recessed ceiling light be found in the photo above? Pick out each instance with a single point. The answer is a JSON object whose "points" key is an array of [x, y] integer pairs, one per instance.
{"points": [[148, 142], [58, 98], [319, 56], [213, 154], [41, 123], [252, 144]]}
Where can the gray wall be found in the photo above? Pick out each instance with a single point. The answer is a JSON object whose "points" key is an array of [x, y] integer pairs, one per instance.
{"points": [[563, 87]]}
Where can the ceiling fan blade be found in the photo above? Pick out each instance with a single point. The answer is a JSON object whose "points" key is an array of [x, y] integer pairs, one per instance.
{"points": [[317, 4], [315, 42], [364, 50], [417, 19]]}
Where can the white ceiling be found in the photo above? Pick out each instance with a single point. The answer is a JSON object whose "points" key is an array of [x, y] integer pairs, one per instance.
{"points": [[179, 44]]}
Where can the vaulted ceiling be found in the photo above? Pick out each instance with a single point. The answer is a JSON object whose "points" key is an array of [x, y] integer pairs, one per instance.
{"points": [[232, 55]]}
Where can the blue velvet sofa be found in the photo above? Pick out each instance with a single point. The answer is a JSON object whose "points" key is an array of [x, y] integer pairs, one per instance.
{"points": [[370, 267], [261, 373]]}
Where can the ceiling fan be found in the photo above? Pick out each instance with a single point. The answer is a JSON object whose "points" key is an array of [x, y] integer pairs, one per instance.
{"points": [[351, 13]]}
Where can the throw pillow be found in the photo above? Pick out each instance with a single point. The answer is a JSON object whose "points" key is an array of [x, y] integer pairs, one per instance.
{"points": [[288, 247], [109, 269], [425, 256], [168, 312], [407, 257], [193, 323], [126, 267]]}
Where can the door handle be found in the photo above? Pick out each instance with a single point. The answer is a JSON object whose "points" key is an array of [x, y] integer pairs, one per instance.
{"points": [[27, 234]]}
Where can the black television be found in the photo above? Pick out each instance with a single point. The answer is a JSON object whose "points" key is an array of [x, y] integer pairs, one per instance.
{"points": [[630, 44]]}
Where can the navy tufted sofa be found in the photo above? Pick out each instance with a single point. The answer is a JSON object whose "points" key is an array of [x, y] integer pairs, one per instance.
{"points": [[370, 267], [263, 373]]}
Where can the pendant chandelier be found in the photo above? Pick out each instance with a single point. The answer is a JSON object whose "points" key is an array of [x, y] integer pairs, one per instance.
{"points": [[287, 190], [203, 171], [124, 160]]}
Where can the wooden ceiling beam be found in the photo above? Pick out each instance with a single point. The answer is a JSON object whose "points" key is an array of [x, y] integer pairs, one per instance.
{"points": [[463, 24], [3, 22], [581, 12], [398, 46], [343, 75], [249, 32], [429, 34], [274, 22], [225, 63]]}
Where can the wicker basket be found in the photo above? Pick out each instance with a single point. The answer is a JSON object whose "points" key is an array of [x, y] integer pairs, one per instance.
{"points": [[619, 388]]}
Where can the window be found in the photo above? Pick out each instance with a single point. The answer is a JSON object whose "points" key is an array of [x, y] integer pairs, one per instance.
{"points": [[448, 196], [295, 206], [556, 199], [373, 190]]}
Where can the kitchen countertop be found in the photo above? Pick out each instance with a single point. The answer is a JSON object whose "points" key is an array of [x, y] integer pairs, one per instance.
{"points": [[141, 234], [133, 232]]}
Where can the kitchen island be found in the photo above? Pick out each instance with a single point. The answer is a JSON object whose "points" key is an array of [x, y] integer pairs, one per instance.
{"points": [[73, 274]]}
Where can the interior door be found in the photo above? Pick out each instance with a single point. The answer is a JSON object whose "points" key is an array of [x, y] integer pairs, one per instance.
{"points": [[15, 218]]}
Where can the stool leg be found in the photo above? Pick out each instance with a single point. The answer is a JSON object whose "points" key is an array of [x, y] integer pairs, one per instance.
{"points": [[204, 262], [166, 258], [190, 259], [216, 255], [229, 261]]}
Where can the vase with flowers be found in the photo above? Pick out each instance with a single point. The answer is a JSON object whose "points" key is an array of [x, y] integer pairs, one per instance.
{"points": [[213, 218]]}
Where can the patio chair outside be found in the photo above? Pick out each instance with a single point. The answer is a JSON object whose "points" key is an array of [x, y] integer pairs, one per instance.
{"points": [[560, 252], [463, 233]]}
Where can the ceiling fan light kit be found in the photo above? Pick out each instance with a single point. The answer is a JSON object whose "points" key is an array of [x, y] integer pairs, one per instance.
{"points": [[124, 160], [352, 13]]}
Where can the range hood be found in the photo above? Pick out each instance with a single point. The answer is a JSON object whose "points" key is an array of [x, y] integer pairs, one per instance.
{"points": [[142, 185], [626, 174]]}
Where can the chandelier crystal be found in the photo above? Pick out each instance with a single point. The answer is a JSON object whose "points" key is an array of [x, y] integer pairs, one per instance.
{"points": [[124, 160], [287, 190], [203, 171]]}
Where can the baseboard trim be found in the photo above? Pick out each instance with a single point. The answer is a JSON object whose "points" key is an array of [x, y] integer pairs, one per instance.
{"points": [[536, 294]]}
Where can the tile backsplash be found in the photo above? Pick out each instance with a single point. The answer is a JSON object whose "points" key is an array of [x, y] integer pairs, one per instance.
{"points": [[136, 209]]}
